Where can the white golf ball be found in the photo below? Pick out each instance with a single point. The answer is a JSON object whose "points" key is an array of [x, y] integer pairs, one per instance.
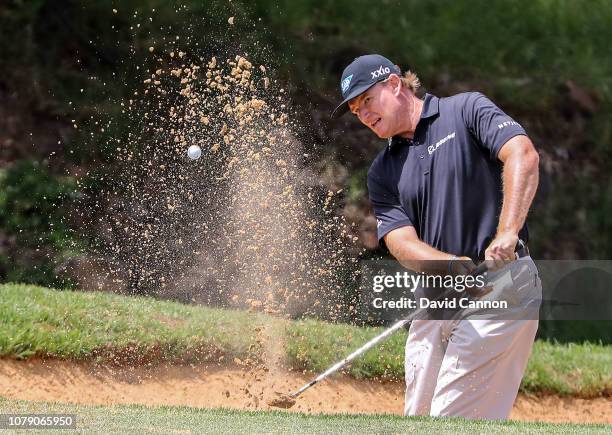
{"points": [[194, 152]]}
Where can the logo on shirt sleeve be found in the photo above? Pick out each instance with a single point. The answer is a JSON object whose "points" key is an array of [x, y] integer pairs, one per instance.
{"points": [[378, 223], [507, 124]]}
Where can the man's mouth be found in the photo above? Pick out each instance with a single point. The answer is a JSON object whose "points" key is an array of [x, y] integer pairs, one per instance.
{"points": [[375, 123]]}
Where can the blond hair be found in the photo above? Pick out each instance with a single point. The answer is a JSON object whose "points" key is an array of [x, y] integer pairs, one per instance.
{"points": [[411, 81]]}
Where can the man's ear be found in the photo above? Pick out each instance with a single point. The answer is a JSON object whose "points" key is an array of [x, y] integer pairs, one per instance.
{"points": [[396, 84]]}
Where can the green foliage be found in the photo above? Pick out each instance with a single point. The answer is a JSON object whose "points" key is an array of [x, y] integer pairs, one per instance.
{"points": [[30, 203], [357, 185], [32, 207], [494, 40]]}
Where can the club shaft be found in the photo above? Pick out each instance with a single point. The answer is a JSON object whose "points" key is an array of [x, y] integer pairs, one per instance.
{"points": [[352, 356], [373, 342]]}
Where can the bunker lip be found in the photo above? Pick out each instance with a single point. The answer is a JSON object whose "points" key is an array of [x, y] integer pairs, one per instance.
{"points": [[215, 386]]}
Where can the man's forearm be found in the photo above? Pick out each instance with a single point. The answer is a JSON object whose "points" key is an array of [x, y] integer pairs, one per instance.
{"points": [[520, 180], [418, 256]]}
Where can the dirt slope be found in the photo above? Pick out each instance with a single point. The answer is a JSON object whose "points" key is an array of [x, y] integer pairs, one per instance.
{"points": [[233, 387]]}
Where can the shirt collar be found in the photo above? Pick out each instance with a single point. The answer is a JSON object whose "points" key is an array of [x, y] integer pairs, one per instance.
{"points": [[431, 107]]}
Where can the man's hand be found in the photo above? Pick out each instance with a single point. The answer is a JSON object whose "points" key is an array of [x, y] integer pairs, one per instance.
{"points": [[465, 266], [501, 250], [461, 266]]}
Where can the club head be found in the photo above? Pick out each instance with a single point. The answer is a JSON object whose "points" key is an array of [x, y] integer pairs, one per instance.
{"points": [[281, 400]]}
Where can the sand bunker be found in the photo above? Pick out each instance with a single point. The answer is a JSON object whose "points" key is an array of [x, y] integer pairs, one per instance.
{"points": [[231, 387]]}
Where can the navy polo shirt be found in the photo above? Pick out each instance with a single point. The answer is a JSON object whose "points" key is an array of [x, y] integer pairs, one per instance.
{"points": [[447, 181]]}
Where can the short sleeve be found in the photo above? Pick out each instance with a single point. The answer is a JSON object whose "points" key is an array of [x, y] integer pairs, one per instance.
{"points": [[489, 124], [389, 213]]}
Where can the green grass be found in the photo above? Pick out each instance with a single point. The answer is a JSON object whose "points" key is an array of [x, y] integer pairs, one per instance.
{"points": [[566, 369], [166, 419], [315, 345], [72, 324]]}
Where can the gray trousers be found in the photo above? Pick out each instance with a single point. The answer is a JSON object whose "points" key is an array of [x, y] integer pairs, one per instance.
{"points": [[472, 367]]}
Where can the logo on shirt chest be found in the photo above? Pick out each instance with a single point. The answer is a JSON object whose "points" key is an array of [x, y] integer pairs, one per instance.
{"points": [[432, 148]]}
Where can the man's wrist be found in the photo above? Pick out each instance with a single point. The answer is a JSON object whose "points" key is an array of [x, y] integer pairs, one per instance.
{"points": [[507, 231]]}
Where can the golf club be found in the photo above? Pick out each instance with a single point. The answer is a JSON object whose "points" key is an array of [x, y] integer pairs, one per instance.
{"points": [[287, 401]]}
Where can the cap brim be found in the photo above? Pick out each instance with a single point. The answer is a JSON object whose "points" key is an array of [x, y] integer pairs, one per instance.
{"points": [[342, 108]]}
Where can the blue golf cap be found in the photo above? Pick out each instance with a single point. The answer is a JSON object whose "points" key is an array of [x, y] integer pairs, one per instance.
{"points": [[363, 73]]}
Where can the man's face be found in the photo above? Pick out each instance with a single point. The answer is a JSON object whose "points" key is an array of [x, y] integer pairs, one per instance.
{"points": [[379, 109]]}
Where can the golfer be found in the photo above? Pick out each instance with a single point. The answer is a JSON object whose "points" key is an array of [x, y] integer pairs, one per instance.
{"points": [[453, 184]]}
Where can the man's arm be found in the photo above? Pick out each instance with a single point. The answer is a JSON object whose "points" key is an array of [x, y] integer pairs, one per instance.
{"points": [[520, 180], [414, 254]]}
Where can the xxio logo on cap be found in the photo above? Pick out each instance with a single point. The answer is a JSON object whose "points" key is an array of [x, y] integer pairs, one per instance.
{"points": [[345, 83], [380, 71]]}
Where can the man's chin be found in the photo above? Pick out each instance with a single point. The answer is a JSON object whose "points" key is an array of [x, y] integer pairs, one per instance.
{"points": [[380, 134]]}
